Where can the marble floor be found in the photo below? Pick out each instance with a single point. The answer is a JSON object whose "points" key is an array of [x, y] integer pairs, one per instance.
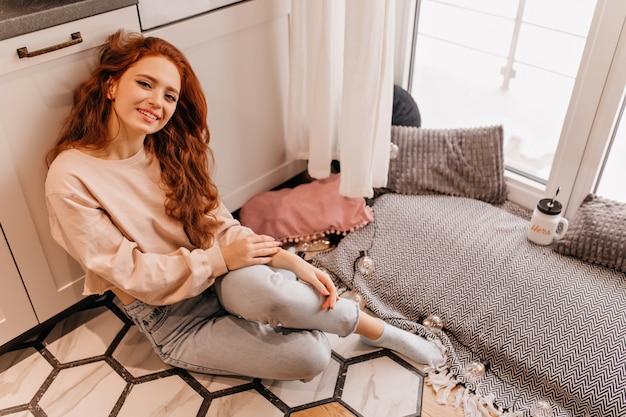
{"points": [[95, 363]]}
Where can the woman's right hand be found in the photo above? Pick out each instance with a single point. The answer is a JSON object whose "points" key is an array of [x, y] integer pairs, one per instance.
{"points": [[250, 250]]}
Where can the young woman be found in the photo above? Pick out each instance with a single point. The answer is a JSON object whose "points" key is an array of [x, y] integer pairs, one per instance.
{"points": [[130, 197]]}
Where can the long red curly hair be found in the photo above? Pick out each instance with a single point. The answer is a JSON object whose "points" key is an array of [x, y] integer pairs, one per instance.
{"points": [[182, 146]]}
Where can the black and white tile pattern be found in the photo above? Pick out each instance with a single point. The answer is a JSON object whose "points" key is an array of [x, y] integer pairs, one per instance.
{"points": [[95, 363]]}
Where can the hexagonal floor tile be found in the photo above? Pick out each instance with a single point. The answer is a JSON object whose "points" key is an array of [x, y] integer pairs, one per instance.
{"points": [[93, 329], [382, 387], [243, 404], [169, 396], [350, 346], [330, 410], [136, 354], [21, 374], [87, 390], [295, 393], [216, 383]]}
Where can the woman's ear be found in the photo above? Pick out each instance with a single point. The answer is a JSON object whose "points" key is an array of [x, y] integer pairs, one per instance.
{"points": [[111, 87]]}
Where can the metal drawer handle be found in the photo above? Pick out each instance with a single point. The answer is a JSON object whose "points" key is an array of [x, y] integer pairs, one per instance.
{"points": [[76, 39]]}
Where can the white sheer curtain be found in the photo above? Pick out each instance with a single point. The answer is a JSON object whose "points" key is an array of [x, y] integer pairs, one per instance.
{"points": [[341, 89]]}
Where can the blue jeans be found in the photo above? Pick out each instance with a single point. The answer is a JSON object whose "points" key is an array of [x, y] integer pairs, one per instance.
{"points": [[254, 322]]}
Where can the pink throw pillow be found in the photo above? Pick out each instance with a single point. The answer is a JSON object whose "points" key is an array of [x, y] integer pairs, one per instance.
{"points": [[306, 212]]}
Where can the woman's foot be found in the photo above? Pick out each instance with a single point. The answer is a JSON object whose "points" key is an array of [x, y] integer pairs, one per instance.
{"points": [[414, 347]]}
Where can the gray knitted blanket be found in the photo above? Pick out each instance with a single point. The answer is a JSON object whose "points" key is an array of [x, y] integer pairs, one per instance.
{"points": [[551, 327]]}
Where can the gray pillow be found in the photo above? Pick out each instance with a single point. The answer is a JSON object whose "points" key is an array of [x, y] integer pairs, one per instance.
{"points": [[464, 162], [597, 233]]}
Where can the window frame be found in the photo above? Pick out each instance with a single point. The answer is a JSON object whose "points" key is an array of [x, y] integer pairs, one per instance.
{"points": [[590, 117]]}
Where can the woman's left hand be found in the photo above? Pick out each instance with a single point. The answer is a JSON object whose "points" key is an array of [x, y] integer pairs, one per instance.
{"points": [[306, 272], [322, 282]]}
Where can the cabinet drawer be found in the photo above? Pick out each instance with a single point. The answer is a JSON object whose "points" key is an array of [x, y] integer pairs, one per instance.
{"points": [[161, 12], [93, 32]]}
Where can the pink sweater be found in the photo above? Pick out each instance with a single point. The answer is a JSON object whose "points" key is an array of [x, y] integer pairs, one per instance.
{"points": [[109, 215]]}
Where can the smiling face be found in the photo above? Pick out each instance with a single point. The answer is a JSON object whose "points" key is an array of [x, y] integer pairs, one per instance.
{"points": [[144, 98]]}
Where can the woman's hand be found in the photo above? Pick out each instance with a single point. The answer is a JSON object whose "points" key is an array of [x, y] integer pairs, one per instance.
{"points": [[306, 272], [322, 282], [250, 250]]}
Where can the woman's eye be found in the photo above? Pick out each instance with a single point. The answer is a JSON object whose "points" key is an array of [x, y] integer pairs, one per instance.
{"points": [[171, 97], [144, 83]]}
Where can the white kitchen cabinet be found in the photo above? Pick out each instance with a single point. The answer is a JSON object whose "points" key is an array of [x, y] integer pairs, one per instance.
{"points": [[240, 53], [36, 94], [16, 312]]}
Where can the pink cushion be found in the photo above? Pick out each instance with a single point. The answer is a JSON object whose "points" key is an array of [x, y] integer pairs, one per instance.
{"points": [[305, 212]]}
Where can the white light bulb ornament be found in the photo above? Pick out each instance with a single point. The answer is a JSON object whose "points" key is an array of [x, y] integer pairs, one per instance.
{"points": [[365, 265], [474, 371], [433, 322]]}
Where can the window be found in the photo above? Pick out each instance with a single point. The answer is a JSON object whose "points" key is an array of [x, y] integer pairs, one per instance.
{"points": [[610, 183], [540, 68]]}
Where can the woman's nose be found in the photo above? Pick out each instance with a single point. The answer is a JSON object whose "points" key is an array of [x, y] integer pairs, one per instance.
{"points": [[155, 100]]}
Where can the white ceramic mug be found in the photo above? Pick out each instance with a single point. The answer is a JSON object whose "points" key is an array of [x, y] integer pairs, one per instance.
{"points": [[547, 224]]}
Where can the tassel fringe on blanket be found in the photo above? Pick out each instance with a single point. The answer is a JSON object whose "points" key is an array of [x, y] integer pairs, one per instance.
{"points": [[473, 405]]}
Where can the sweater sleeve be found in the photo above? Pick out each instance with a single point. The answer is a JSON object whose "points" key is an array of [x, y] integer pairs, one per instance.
{"points": [[110, 259]]}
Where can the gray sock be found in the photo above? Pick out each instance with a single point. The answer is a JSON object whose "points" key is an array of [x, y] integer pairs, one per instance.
{"points": [[414, 347]]}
